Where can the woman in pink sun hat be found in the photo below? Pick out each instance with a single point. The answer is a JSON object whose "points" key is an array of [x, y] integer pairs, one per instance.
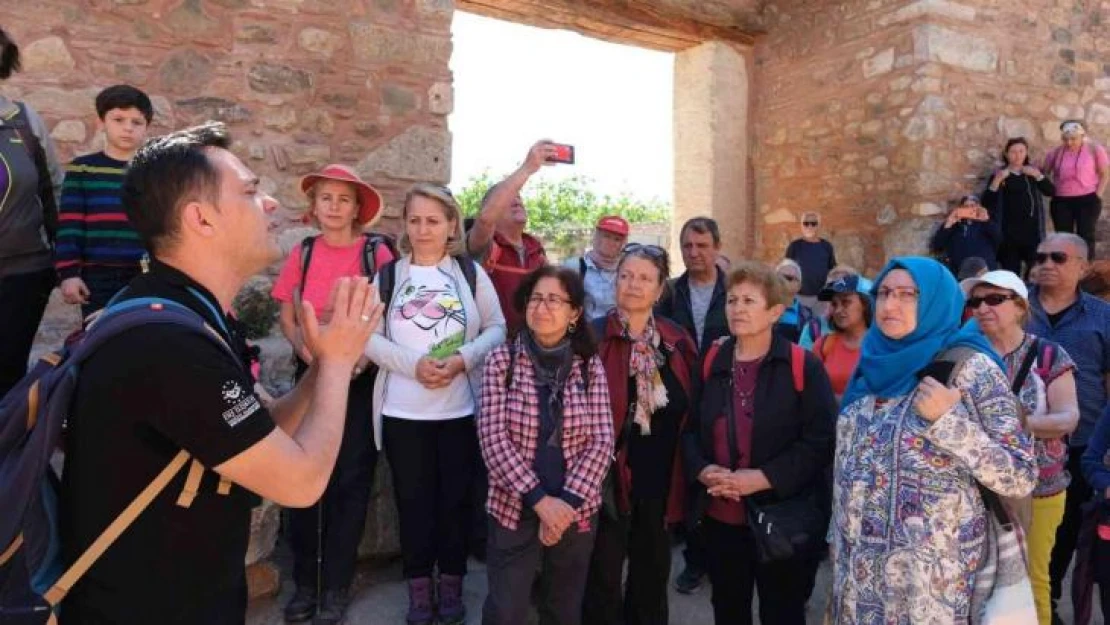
{"points": [[342, 206]]}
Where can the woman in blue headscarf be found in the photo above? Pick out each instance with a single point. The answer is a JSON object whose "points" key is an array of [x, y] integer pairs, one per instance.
{"points": [[909, 530]]}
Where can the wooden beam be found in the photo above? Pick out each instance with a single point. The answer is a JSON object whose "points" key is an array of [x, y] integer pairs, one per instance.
{"points": [[635, 22]]}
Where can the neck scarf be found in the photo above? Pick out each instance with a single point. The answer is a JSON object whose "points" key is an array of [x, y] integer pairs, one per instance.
{"points": [[643, 365], [887, 367], [552, 367]]}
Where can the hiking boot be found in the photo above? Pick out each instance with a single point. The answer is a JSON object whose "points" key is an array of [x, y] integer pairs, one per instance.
{"points": [[689, 580], [302, 606], [451, 609], [420, 602], [332, 608]]}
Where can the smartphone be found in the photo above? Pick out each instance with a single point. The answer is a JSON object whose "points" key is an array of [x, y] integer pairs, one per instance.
{"points": [[563, 154]]}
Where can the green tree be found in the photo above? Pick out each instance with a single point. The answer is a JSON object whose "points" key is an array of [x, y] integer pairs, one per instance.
{"points": [[563, 212]]}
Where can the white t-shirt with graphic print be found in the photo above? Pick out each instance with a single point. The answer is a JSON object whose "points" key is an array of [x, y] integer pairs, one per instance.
{"points": [[426, 315]]}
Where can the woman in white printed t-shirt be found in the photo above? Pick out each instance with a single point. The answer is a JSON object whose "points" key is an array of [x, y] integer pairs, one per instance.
{"points": [[442, 317]]}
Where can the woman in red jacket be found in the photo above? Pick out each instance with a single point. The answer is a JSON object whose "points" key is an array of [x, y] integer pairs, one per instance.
{"points": [[648, 362]]}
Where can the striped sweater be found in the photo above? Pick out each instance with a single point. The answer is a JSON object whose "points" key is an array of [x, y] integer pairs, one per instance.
{"points": [[93, 230]]}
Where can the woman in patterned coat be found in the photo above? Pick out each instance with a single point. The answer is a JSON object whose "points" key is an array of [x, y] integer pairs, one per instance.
{"points": [[909, 530]]}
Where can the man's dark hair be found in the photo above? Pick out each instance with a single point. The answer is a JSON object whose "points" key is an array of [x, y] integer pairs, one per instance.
{"points": [[702, 225], [123, 97], [168, 172], [9, 56]]}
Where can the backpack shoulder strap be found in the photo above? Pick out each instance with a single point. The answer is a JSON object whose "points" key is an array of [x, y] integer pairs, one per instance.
{"points": [[512, 363], [1045, 358], [373, 241], [387, 280], [582, 267], [74, 573], [306, 257], [710, 356], [1026, 367], [798, 366], [957, 356], [20, 123], [469, 271]]}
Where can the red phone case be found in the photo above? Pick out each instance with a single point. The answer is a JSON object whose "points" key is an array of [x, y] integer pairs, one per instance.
{"points": [[563, 154]]}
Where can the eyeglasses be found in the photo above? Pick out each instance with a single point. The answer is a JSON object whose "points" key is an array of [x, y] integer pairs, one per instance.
{"points": [[992, 300], [552, 302], [1058, 258], [788, 277], [654, 251], [810, 224], [900, 295]]}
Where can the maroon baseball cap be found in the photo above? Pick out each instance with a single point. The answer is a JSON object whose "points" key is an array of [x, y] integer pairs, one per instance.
{"points": [[614, 224]]}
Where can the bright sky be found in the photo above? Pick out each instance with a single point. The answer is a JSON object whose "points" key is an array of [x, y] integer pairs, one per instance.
{"points": [[516, 84]]}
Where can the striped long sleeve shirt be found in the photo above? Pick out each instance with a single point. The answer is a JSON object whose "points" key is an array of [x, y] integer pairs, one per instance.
{"points": [[93, 229]]}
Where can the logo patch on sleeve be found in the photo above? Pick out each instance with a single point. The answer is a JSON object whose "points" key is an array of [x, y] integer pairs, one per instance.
{"points": [[241, 403]]}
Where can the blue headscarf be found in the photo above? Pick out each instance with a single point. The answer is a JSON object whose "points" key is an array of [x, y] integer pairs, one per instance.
{"points": [[888, 367]]}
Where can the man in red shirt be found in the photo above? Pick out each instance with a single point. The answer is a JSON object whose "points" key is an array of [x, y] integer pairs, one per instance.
{"points": [[497, 237]]}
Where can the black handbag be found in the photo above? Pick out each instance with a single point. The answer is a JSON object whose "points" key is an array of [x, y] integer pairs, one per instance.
{"points": [[785, 529]]}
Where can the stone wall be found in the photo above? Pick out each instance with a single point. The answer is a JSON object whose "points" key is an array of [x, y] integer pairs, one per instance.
{"points": [[300, 82], [878, 112]]}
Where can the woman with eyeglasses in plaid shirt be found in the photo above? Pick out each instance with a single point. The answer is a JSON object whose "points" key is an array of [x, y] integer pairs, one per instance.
{"points": [[546, 434]]}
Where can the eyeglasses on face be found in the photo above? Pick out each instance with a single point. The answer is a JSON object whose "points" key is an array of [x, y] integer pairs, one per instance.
{"points": [[902, 295], [992, 299], [789, 277], [1058, 258], [552, 302], [810, 224]]}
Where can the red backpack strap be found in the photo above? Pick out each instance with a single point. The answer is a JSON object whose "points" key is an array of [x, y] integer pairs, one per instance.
{"points": [[1044, 359], [798, 366], [710, 356]]}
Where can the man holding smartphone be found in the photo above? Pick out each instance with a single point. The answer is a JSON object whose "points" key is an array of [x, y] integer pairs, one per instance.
{"points": [[969, 230], [497, 237]]}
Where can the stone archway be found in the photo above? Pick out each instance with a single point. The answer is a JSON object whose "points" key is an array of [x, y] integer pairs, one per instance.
{"points": [[712, 44]]}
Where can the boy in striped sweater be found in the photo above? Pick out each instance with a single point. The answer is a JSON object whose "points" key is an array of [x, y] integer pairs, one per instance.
{"points": [[98, 252]]}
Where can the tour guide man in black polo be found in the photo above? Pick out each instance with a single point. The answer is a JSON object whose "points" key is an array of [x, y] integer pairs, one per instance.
{"points": [[158, 389]]}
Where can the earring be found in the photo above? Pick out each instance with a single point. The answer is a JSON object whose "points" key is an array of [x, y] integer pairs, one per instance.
{"points": [[572, 327]]}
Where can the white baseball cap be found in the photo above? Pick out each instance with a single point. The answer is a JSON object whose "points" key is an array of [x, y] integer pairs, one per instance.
{"points": [[999, 278]]}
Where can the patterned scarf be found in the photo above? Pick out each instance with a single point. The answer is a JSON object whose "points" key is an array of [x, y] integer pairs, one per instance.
{"points": [[643, 365]]}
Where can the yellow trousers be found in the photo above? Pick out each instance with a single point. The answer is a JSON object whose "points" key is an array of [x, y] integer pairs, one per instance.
{"points": [[1047, 514]]}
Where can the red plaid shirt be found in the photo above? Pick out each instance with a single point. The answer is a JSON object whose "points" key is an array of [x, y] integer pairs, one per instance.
{"points": [[509, 424]]}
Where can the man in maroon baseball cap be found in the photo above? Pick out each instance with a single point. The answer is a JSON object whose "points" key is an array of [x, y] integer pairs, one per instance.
{"points": [[598, 267]]}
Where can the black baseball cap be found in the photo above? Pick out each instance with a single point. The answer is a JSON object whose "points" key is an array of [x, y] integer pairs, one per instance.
{"points": [[848, 284]]}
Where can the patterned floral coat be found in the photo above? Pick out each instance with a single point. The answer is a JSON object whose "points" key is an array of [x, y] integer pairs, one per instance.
{"points": [[909, 530]]}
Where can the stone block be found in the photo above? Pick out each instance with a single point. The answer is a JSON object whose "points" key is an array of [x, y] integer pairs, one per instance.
{"points": [[265, 521], [185, 72], [69, 131], [886, 215], [263, 580], [779, 216], [276, 78], [1098, 114], [441, 98], [374, 44], [256, 33], [219, 109], [318, 121], [933, 43], [920, 8], [398, 99], [928, 209], [418, 153], [319, 41], [1016, 127], [909, 237], [283, 118], [382, 535], [879, 64], [54, 102], [48, 55]]}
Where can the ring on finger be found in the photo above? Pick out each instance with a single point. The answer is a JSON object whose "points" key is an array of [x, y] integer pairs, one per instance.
{"points": [[365, 318]]}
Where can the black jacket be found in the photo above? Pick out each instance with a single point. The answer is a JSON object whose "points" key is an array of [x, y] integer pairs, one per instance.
{"points": [[967, 238], [675, 305], [793, 434], [1018, 204]]}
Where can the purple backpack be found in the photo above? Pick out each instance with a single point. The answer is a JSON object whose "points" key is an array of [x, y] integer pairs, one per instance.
{"points": [[32, 417]]}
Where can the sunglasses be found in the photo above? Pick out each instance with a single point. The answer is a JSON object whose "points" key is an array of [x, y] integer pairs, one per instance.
{"points": [[1058, 258], [810, 224], [992, 300], [652, 251]]}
